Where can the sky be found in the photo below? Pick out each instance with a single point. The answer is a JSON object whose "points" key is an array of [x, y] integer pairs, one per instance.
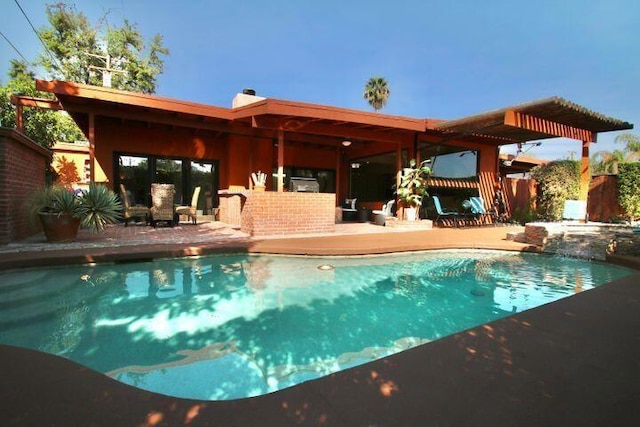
{"points": [[443, 59]]}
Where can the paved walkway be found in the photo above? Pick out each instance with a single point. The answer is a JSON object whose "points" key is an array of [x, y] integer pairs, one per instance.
{"points": [[573, 362], [143, 242]]}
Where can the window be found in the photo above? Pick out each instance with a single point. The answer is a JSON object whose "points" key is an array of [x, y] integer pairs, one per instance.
{"points": [[137, 172], [203, 174], [450, 162], [133, 172]]}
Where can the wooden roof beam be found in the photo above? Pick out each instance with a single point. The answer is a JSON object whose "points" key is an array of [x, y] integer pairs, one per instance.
{"points": [[30, 101], [547, 127]]}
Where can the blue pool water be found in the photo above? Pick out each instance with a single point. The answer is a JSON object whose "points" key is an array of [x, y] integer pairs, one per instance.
{"points": [[232, 326]]}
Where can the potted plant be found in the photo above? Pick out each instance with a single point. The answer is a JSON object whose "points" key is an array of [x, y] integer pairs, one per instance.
{"points": [[413, 187], [61, 211]]}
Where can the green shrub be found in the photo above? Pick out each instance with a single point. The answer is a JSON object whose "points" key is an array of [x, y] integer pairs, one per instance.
{"points": [[557, 182], [629, 189]]}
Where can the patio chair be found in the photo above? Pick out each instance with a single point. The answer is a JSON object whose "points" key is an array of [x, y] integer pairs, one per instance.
{"points": [[476, 205], [349, 210], [443, 213], [380, 216], [162, 201], [190, 211], [132, 211]]}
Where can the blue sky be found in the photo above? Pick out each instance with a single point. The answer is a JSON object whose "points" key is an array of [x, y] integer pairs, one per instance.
{"points": [[443, 59]]}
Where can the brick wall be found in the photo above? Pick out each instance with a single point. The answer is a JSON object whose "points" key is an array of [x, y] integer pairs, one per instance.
{"points": [[22, 170], [273, 213]]}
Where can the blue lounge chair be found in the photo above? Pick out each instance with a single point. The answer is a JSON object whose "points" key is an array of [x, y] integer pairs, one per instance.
{"points": [[443, 213], [476, 204]]}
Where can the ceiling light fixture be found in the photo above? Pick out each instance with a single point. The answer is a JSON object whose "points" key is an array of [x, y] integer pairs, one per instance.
{"points": [[346, 143]]}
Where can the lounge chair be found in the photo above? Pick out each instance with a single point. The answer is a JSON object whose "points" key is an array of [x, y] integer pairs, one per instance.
{"points": [[190, 211], [476, 204], [132, 211], [574, 210], [443, 213], [162, 201], [380, 216]]}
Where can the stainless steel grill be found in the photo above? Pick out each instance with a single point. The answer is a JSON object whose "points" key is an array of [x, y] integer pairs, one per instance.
{"points": [[304, 185]]}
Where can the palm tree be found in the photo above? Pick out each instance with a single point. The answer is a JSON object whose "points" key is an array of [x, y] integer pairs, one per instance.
{"points": [[632, 143], [376, 92], [606, 162]]}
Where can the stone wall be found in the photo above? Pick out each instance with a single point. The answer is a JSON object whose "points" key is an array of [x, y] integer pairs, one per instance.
{"points": [[22, 170], [583, 240]]}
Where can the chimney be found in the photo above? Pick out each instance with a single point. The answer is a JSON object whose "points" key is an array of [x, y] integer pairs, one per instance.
{"points": [[248, 96]]}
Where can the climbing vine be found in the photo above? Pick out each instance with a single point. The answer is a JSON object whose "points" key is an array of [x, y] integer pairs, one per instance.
{"points": [[557, 182], [629, 189]]}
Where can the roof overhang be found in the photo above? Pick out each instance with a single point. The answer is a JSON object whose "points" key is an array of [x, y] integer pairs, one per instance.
{"points": [[547, 118], [512, 164], [269, 114]]}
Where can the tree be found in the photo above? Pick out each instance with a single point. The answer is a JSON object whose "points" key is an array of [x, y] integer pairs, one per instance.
{"points": [[607, 162], [46, 127], [76, 52], [84, 54], [632, 143], [376, 92]]}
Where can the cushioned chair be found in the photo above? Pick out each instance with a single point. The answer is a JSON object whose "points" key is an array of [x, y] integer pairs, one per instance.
{"points": [[380, 216], [476, 205], [349, 210], [443, 213], [190, 210], [132, 211], [162, 201]]}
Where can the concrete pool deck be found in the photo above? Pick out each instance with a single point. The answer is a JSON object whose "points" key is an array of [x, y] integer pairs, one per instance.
{"points": [[572, 362]]}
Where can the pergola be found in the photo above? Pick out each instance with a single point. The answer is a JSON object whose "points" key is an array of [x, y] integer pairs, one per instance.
{"points": [[547, 118]]}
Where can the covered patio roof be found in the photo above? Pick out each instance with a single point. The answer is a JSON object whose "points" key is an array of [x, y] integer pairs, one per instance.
{"points": [[268, 114], [547, 118]]}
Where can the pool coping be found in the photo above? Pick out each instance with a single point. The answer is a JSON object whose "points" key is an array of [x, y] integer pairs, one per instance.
{"points": [[537, 367]]}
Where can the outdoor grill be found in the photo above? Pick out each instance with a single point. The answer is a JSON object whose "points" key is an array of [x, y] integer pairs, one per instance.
{"points": [[304, 185]]}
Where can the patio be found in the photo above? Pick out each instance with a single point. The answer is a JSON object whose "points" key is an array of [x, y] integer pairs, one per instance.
{"points": [[573, 362]]}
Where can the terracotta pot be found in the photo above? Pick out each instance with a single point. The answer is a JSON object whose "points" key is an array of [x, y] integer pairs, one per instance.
{"points": [[59, 228]]}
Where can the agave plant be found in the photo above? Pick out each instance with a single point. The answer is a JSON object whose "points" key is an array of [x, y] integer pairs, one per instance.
{"points": [[95, 207], [98, 207]]}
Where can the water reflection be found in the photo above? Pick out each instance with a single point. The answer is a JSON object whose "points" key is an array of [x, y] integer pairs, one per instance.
{"points": [[195, 327]]}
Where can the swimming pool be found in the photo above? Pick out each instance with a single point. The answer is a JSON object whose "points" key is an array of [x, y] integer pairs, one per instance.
{"points": [[231, 326]]}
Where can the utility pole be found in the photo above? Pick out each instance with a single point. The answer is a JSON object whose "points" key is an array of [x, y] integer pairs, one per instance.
{"points": [[106, 70]]}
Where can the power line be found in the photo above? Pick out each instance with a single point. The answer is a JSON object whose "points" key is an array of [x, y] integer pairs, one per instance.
{"points": [[37, 34], [14, 48]]}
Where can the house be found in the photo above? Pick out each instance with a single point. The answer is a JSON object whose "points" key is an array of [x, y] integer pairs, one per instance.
{"points": [[138, 139], [72, 164]]}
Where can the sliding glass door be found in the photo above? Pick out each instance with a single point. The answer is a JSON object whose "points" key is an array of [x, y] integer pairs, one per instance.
{"points": [[136, 172]]}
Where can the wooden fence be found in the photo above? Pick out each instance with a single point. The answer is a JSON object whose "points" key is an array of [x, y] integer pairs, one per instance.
{"points": [[520, 196]]}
